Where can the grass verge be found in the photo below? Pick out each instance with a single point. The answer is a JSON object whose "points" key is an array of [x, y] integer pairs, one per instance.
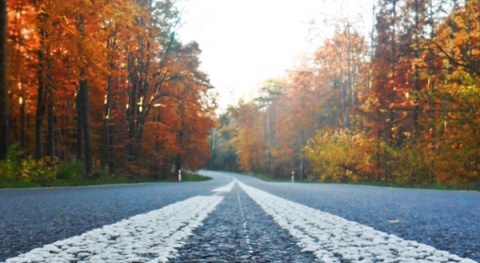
{"points": [[434, 186], [100, 180]]}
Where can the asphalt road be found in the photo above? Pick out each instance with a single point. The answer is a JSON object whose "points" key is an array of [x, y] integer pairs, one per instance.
{"points": [[446, 220], [237, 228], [31, 218]]}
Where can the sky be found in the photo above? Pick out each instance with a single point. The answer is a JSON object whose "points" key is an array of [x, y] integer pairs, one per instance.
{"points": [[245, 42]]}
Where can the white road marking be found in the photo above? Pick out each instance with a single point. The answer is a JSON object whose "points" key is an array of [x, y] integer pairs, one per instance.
{"points": [[156, 236], [334, 239], [226, 188], [151, 237]]}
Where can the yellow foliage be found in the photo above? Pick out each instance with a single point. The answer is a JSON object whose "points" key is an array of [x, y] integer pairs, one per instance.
{"points": [[341, 156]]}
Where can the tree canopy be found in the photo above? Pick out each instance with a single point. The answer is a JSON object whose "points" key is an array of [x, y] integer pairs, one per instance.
{"points": [[399, 106], [107, 83]]}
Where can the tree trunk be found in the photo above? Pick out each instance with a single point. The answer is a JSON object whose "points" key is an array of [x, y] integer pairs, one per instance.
{"points": [[40, 111], [431, 86], [3, 81], [51, 128], [84, 110], [393, 68], [106, 146], [416, 76], [79, 126], [23, 141], [42, 91], [111, 143], [85, 116], [178, 162], [178, 158], [132, 108], [107, 136]]}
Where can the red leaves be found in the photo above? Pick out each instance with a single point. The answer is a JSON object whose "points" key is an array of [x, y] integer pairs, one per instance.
{"points": [[139, 77]]}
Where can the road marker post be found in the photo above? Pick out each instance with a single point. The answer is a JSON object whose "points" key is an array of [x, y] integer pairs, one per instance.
{"points": [[293, 176], [180, 175]]}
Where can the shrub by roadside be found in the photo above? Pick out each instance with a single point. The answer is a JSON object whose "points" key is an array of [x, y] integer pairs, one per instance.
{"points": [[18, 172]]}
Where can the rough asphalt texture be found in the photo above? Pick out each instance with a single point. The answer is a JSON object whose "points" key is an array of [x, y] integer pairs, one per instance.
{"points": [[446, 220], [36, 217], [239, 231]]}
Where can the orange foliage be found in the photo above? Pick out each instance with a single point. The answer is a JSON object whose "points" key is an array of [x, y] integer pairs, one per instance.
{"points": [[138, 76], [405, 112]]}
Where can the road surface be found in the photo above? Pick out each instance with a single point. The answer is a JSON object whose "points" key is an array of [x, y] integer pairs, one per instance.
{"points": [[236, 218]]}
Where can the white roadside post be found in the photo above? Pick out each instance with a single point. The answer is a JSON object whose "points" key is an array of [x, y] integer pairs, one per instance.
{"points": [[293, 176], [180, 175]]}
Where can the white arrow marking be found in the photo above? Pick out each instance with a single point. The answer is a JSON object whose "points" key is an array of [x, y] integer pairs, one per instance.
{"points": [[334, 239], [151, 237]]}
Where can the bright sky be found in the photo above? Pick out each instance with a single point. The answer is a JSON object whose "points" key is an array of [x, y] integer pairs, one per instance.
{"points": [[245, 42]]}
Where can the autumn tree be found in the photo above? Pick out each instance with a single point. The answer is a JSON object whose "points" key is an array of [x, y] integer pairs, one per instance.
{"points": [[224, 156], [300, 118], [290, 112], [249, 140], [23, 44], [455, 102], [152, 68], [185, 111], [339, 63], [407, 114], [268, 102], [104, 82]]}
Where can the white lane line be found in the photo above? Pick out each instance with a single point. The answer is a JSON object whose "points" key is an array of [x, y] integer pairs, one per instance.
{"points": [[151, 237], [226, 188], [334, 239]]}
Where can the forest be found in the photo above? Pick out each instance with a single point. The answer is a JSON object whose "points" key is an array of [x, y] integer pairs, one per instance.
{"points": [[106, 87], [100, 87], [398, 106]]}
